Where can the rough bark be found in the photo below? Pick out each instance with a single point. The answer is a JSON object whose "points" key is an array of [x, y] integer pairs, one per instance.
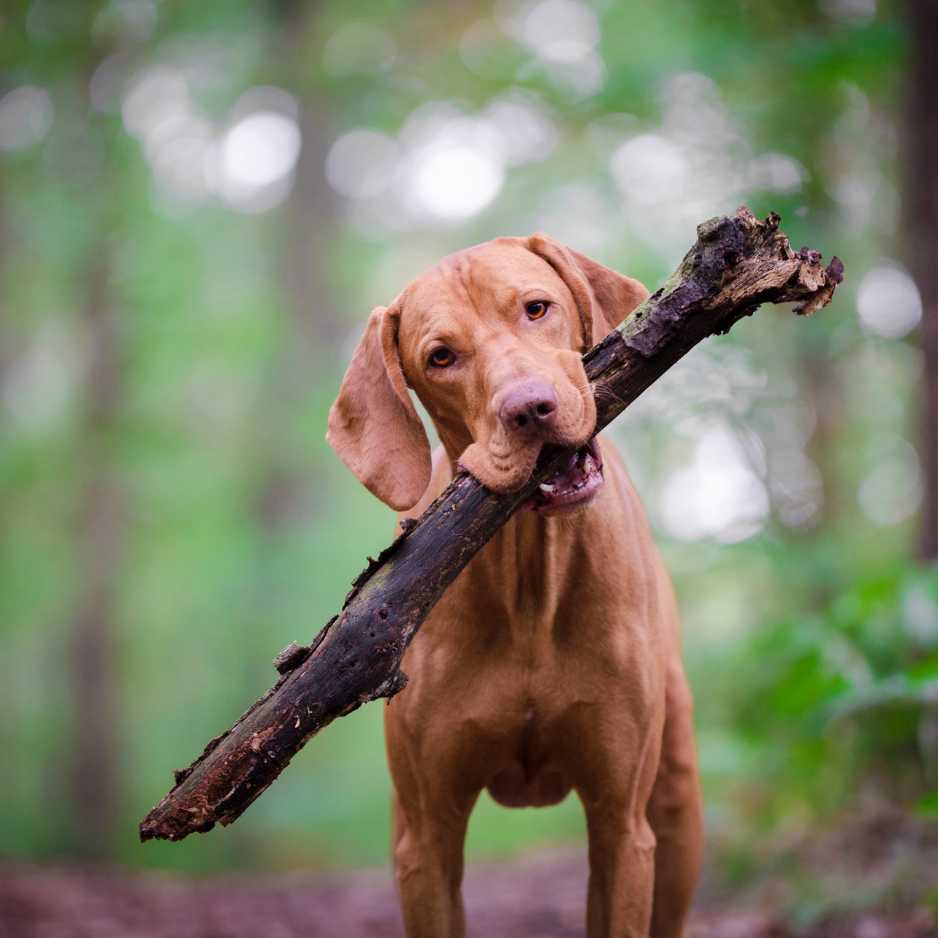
{"points": [[736, 264], [920, 230]]}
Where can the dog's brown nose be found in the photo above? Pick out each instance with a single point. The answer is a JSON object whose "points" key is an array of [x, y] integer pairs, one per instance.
{"points": [[529, 406]]}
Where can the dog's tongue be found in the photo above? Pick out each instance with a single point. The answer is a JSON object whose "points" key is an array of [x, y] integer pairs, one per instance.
{"points": [[572, 474], [580, 464]]}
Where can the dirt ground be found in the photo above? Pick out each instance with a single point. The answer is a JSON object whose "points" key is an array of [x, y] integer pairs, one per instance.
{"points": [[534, 898]]}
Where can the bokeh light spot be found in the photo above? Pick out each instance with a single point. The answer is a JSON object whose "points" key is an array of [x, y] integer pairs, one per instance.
{"points": [[361, 163], [888, 301], [718, 495], [25, 117], [649, 168], [454, 181], [260, 149], [892, 490]]}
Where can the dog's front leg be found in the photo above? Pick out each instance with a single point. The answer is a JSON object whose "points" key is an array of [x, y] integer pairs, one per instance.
{"points": [[622, 870], [615, 773], [428, 865], [675, 813]]}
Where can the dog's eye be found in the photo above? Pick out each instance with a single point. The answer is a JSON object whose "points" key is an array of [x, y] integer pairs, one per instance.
{"points": [[536, 309], [442, 357]]}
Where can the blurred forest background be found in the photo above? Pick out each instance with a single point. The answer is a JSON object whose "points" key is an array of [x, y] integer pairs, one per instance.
{"points": [[199, 205]]}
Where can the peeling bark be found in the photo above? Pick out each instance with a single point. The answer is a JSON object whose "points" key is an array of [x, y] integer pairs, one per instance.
{"points": [[736, 264]]}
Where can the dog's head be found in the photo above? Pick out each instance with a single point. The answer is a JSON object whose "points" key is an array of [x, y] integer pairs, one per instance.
{"points": [[491, 341]]}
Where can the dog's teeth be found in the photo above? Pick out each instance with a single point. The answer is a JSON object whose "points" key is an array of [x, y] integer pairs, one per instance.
{"points": [[588, 464], [546, 487]]}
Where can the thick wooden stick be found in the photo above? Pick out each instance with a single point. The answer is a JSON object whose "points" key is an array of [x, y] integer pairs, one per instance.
{"points": [[737, 264]]}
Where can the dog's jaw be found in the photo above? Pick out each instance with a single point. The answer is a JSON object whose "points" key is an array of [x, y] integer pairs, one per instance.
{"points": [[574, 486], [501, 471]]}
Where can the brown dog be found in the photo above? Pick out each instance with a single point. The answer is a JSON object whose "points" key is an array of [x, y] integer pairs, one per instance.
{"points": [[553, 661]]}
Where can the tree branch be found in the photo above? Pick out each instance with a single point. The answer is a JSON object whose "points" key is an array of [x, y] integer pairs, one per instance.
{"points": [[736, 264]]}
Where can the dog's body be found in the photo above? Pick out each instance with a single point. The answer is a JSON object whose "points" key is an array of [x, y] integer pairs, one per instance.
{"points": [[553, 661]]}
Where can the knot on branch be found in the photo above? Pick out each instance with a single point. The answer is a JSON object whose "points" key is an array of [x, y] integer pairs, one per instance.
{"points": [[291, 657]]}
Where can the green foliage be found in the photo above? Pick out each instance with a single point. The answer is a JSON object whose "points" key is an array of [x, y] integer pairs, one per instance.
{"points": [[835, 701]]}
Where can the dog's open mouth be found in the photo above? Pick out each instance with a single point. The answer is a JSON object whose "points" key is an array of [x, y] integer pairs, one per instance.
{"points": [[574, 485]]}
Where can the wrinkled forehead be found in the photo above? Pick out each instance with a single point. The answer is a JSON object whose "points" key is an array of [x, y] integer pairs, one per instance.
{"points": [[480, 283]]}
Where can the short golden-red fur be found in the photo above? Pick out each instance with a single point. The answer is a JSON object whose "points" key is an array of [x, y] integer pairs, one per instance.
{"points": [[553, 661]]}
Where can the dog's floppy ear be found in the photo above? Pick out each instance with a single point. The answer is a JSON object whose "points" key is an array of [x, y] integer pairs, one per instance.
{"points": [[373, 425], [603, 297]]}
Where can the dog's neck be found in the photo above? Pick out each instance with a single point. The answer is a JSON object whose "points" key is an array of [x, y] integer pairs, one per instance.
{"points": [[536, 563]]}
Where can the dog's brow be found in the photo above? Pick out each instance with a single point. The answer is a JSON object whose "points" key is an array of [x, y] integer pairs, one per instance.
{"points": [[464, 272], [506, 297]]}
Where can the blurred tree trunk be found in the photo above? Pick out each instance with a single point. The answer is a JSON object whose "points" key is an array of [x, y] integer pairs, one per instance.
{"points": [[822, 388], [920, 227], [11, 342], [99, 543], [311, 209], [8, 347], [99, 539], [311, 329], [6, 331], [825, 393]]}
